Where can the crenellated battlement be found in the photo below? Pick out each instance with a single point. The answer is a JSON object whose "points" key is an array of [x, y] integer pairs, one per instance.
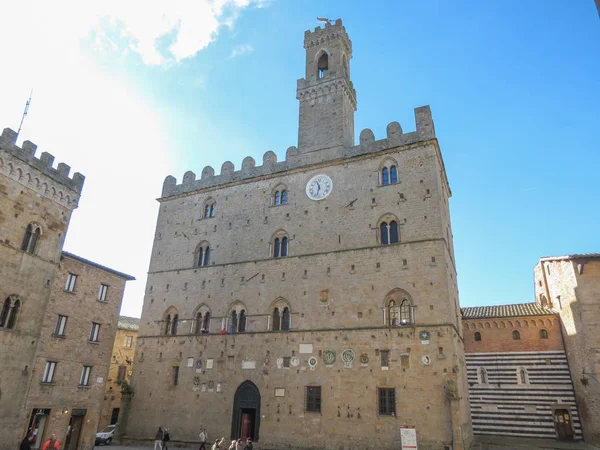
{"points": [[323, 35], [44, 163], [294, 159]]}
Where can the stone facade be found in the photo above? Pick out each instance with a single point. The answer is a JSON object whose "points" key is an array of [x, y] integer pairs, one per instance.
{"points": [[46, 321], [120, 370], [36, 202], [570, 286], [241, 336], [519, 379]]}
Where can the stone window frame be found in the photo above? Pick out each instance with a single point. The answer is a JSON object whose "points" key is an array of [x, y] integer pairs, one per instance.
{"points": [[388, 164], [279, 305], [71, 282], [95, 332], [482, 375], [280, 240], [398, 305], [279, 195], [200, 321], [10, 312], [171, 321], [33, 232], [313, 398], [322, 72], [477, 336], [61, 326], [202, 254], [388, 219], [84, 379], [237, 310], [522, 375], [543, 333], [209, 208], [49, 372], [387, 407], [516, 335]]}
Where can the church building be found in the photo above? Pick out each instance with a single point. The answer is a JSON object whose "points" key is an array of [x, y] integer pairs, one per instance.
{"points": [[309, 303]]}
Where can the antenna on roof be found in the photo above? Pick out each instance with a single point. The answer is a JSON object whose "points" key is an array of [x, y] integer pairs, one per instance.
{"points": [[24, 114]]}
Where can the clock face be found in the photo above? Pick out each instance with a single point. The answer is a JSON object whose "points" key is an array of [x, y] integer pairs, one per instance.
{"points": [[319, 187]]}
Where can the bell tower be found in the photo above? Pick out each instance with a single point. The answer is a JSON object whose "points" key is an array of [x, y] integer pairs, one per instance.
{"points": [[326, 94]]}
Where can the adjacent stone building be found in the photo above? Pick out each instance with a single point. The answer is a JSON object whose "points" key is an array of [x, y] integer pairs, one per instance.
{"points": [[120, 370], [519, 379], [312, 302], [570, 287], [58, 311]]}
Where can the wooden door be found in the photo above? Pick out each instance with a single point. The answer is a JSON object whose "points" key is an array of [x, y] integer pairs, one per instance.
{"points": [[247, 425], [72, 439], [562, 424]]}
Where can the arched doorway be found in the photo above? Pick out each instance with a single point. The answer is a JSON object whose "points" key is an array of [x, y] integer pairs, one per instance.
{"points": [[245, 421], [562, 424]]}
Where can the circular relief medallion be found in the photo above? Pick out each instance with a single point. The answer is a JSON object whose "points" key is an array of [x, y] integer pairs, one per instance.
{"points": [[424, 335], [364, 358], [312, 362], [295, 361], [348, 357], [329, 357], [426, 360]]}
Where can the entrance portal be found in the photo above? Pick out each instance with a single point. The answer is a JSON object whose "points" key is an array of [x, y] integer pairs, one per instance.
{"points": [[562, 424], [245, 421]]}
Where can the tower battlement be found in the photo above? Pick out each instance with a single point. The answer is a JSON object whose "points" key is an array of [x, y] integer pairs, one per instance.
{"points": [[294, 159], [325, 34], [44, 163]]}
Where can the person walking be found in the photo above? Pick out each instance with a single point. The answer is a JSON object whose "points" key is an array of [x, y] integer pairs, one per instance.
{"points": [[166, 438], [158, 439], [249, 445], [233, 445], [203, 438], [52, 443]]}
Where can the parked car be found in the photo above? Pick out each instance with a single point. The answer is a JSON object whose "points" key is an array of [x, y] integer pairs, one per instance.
{"points": [[105, 435]]}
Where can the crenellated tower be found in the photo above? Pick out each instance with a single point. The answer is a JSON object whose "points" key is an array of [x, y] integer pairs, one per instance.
{"points": [[326, 94]]}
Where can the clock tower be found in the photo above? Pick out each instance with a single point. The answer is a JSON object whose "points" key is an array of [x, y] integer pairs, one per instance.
{"points": [[326, 94]]}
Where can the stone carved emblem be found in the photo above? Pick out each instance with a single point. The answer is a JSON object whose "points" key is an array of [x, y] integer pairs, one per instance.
{"points": [[196, 381], [348, 357], [426, 360], [312, 362], [364, 359], [328, 357], [279, 363], [295, 361]]}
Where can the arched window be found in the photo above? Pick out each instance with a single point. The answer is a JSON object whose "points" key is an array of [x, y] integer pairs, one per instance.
{"points": [[4, 315], [209, 208], [398, 308], [280, 244], [32, 234], [198, 327], [234, 322], [168, 324], [393, 175], [277, 201], [276, 320], [482, 375], [12, 318], [174, 325], [516, 335], [285, 319], [206, 322], [280, 315], [477, 336], [522, 376], [394, 313], [242, 322], [385, 176], [388, 170], [203, 254], [389, 233], [543, 334], [284, 197], [405, 312], [322, 65]]}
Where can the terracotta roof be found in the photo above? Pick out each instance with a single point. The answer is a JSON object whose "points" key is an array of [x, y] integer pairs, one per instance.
{"points": [[518, 310], [99, 266], [128, 323], [575, 256]]}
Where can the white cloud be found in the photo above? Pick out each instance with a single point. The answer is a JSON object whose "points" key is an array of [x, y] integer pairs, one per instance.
{"points": [[241, 50], [97, 122]]}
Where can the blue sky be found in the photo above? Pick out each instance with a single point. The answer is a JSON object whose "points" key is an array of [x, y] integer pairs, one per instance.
{"points": [[129, 92]]}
